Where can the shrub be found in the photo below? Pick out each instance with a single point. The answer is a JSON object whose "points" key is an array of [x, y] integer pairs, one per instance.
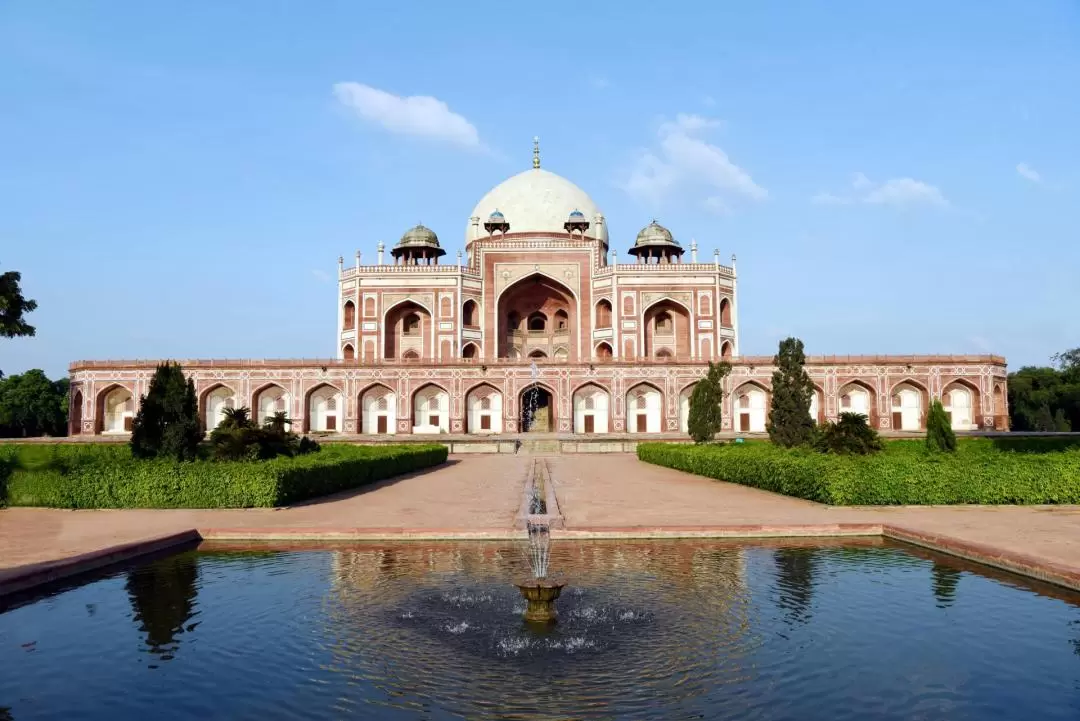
{"points": [[852, 435], [167, 424], [704, 416], [70, 477], [237, 438], [904, 474], [939, 433], [790, 423]]}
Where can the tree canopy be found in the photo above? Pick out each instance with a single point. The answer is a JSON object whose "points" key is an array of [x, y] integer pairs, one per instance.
{"points": [[705, 420], [790, 423], [167, 424], [13, 306], [33, 405], [1046, 398]]}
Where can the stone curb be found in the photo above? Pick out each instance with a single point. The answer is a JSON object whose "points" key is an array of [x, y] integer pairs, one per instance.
{"points": [[23, 578], [1018, 563]]}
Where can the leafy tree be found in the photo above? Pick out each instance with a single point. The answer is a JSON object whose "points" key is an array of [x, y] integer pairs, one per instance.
{"points": [[851, 435], [13, 306], [939, 432], [167, 423], [704, 420], [33, 405], [790, 423], [1046, 398]]}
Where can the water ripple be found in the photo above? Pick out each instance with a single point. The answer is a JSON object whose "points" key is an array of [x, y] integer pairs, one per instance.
{"points": [[672, 630]]}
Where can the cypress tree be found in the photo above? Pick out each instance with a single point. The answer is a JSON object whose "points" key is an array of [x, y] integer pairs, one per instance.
{"points": [[704, 420], [167, 424], [790, 423], [939, 432]]}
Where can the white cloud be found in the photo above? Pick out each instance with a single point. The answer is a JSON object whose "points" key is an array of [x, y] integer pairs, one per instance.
{"points": [[905, 191], [420, 115], [684, 160], [715, 204], [1028, 172], [897, 192]]}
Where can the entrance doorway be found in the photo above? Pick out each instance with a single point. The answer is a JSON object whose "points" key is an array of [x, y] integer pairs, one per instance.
{"points": [[537, 413]]}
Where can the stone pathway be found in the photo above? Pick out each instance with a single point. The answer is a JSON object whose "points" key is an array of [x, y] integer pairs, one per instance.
{"points": [[480, 495]]}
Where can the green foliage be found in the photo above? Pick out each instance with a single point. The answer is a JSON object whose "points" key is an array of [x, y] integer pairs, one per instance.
{"points": [[167, 424], [939, 433], [107, 476], [790, 423], [704, 417], [851, 435], [1046, 398], [237, 438], [905, 474], [13, 306], [33, 405]]}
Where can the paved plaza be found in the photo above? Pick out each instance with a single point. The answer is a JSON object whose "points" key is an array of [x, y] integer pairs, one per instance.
{"points": [[480, 496]]}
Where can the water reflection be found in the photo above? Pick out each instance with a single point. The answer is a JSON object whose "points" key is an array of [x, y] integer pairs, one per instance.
{"points": [[945, 580], [795, 571], [163, 600]]}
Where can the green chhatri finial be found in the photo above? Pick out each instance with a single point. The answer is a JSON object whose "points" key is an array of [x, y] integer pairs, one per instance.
{"points": [[536, 151]]}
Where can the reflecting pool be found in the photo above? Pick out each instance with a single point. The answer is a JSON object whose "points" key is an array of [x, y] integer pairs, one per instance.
{"points": [[861, 629]]}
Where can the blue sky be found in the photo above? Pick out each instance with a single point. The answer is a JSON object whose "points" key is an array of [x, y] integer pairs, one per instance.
{"points": [[178, 179]]}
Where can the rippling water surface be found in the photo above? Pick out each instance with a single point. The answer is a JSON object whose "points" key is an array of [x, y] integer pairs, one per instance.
{"points": [[657, 630]]}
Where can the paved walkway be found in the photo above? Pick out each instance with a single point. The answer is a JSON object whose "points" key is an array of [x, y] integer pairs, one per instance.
{"points": [[482, 494], [612, 491]]}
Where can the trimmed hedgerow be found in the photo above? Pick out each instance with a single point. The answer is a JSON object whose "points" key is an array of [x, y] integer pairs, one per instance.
{"points": [[903, 474], [70, 476]]}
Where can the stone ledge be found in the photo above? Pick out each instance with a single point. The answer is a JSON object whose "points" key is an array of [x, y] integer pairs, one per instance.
{"points": [[23, 578]]}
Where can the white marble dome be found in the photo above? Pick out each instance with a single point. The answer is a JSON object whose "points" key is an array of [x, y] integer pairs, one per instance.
{"points": [[536, 201]]}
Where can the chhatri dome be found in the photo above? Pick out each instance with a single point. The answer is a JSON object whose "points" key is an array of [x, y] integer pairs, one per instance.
{"points": [[536, 201]]}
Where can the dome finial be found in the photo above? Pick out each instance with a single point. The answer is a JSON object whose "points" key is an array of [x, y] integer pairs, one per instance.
{"points": [[536, 151]]}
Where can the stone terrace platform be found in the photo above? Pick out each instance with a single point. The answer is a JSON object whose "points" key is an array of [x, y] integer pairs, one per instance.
{"points": [[599, 497]]}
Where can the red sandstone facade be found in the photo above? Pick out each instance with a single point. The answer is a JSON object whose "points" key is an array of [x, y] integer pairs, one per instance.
{"points": [[537, 331]]}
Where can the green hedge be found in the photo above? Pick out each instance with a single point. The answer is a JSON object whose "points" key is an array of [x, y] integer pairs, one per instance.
{"points": [[904, 474], [76, 476]]}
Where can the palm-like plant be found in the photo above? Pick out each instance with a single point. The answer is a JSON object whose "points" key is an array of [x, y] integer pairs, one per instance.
{"points": [[277, 422], [235, 418]]}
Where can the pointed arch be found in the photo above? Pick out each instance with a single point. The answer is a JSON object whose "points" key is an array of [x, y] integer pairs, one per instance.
{"points": [[470, 314], [483, 409], [603, 351], [908, 403], [857, 396], [268, 399], [213, 400], [75, 414], [348, 352], [750, 406], [538, 407], [725, 312], [592, 408], [964, 413], [115, 409], [324, 409], [603, 313], [644, 408], [431, 409], [377, 403], [349, 316], [470, 351]]}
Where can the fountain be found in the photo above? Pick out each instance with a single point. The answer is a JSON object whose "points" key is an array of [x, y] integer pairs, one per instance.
{"points": [[528, 417], [540, 592]]}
